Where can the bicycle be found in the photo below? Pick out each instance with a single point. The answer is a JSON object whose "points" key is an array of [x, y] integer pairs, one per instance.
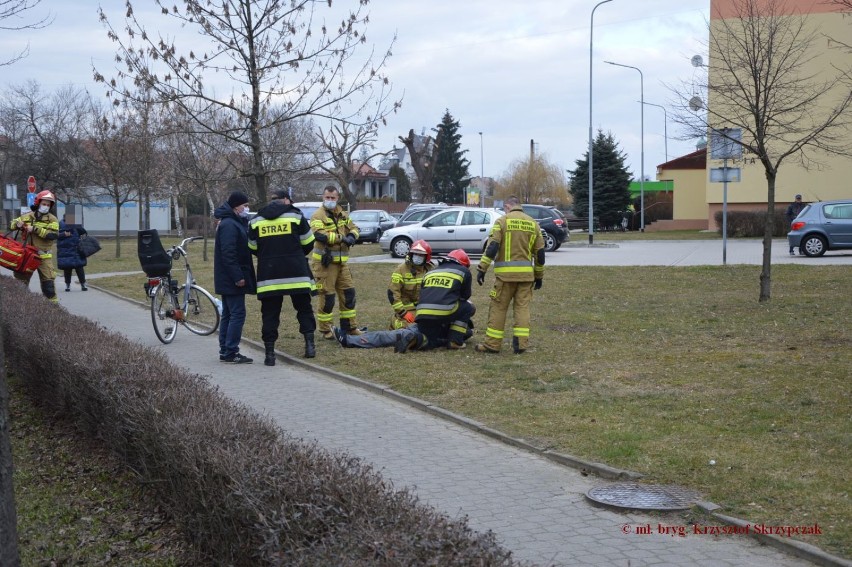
{"points": [[190, 304]]}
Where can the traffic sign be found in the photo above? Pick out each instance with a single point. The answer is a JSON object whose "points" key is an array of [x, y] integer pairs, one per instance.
{"points": [[31, 184]]}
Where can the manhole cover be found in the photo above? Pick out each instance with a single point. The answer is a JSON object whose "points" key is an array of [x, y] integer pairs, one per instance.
{"points": [[643, 496]]}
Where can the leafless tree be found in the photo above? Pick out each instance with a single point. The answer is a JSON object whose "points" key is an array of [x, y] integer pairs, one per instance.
{"points": [[201, 165], [763, 81], [47, 135], [423, 152], [281, 60], [339, 144], [12, 13], [113, 146], [535, 180]]}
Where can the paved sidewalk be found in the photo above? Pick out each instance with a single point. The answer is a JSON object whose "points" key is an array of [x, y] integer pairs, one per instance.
{"points": [[537, 508]]}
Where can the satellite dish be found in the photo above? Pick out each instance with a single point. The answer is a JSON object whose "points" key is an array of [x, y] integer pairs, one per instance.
{"points": [[696, 104], [697, 61]]}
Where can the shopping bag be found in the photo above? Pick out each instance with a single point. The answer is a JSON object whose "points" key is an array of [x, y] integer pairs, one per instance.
{"points": [[17, 256], [88, 245]]}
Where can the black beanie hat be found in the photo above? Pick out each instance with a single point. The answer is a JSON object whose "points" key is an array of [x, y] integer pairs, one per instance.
{"points": [[237, 198]]}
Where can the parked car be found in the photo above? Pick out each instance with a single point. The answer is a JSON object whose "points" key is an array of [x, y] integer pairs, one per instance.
{"points": [[371, 223], [450, 228], [822, 226], [308, 208], [416, 213], [553, 225]]}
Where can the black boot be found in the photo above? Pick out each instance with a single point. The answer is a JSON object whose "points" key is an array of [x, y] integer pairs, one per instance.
{"points": [[270, 354], [310, 347]]}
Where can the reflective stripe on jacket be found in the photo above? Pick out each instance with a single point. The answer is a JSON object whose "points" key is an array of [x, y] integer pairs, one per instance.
{"points": [[330, 228], [404, 288], [518, 239], [280, 236], [442, 289]]}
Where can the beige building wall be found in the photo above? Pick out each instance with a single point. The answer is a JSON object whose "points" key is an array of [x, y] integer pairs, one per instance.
{"points": [[828, 177]]}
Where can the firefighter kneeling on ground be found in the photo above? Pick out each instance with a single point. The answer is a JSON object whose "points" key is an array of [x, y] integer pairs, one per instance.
{"points": [[406, 280], [443, 315], [42, 227]]}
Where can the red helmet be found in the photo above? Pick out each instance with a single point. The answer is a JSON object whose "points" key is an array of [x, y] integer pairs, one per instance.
{"points": [[44, 196], [459, 256], [421, 247]]}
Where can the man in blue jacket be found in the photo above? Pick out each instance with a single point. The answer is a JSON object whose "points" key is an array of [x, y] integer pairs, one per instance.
{"points": [[233, 274]]}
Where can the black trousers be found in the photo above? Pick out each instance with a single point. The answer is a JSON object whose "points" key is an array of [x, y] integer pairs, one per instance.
{"points": [[81, 275], [270, 312]]}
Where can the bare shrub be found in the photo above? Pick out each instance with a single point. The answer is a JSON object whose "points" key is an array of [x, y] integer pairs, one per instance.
{"points": [[751, 223], [244, 491]]}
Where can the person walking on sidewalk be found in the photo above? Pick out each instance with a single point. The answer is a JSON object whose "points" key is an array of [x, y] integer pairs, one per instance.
{"points": [[443, 316], [335, 234], [68, 257], [42, 228], [516, 248], [233, 274], [792, 212], [281, 238]]}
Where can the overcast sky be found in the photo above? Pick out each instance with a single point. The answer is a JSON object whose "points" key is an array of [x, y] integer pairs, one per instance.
{"points": [[514, 70]]}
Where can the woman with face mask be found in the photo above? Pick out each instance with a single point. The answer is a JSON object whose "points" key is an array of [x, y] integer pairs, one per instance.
{"points": [[41, 228], [406, 279]]}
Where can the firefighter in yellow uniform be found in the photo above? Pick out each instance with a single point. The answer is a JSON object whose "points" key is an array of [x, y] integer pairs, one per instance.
{"points": [[516, 248], [406, 280], [334, 234], [42, 227]]}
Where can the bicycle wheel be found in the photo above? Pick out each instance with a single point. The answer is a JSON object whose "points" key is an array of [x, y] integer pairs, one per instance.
{"points": [[201, 315], [161, 314]]}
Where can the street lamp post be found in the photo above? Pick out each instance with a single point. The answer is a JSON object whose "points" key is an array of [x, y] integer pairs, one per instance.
{"points": [[481, 173], [665, 126], [591, 161], [642, 143]]}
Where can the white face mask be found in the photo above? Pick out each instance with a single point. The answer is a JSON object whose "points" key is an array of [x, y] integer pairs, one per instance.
{"points": [[244, 212], [330, 205], [44, 209], [418, 260]]}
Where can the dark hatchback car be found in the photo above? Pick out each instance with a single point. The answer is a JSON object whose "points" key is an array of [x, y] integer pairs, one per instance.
{"points": [[553, 225], [822, 226], [416, 213]]}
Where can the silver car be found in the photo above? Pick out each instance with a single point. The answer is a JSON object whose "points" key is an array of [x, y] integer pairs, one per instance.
{"points": [[454, 227], [822, 226]]}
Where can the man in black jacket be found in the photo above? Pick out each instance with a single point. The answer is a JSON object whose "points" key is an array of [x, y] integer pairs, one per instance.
{"points": [[281, 237], [233, 274], [792, 212]]}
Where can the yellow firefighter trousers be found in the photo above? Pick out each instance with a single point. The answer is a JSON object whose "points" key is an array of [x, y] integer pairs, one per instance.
{"points": [[519, 294], [46, 276], [335, 279]]}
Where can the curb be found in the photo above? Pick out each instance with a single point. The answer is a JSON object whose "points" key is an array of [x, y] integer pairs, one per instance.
{"points": [[794, 547]]}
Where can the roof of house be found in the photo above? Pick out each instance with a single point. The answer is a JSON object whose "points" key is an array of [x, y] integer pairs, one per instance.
{"points": [[694, 160]]}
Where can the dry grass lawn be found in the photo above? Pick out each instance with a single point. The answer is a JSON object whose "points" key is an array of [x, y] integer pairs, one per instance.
{"points": [[652, 369]]}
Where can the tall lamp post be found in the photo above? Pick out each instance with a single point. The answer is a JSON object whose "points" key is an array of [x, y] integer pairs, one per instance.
{"points": [[591, 160], [642, 142], [665, 126], [481, 173]]}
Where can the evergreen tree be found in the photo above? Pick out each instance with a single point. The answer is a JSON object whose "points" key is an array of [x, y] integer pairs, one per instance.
{"points": [[451, 176], [611, 179], [403, 184]]}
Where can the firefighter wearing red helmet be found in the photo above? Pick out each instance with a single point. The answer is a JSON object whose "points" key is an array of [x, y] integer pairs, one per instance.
{"points": [[41, 228], [406, 279], [443, 315], [516, 248]]}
